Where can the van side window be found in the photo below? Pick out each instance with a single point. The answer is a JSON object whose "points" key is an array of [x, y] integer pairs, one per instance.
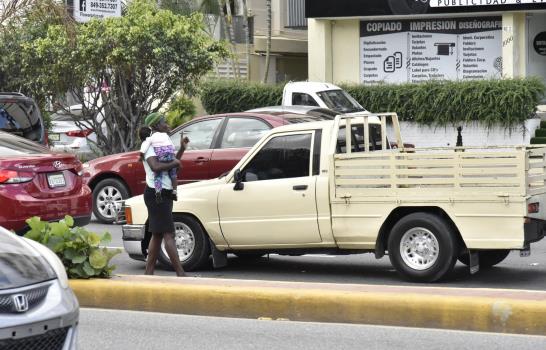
{"points": [[301, 99], [282, 157], [357, 139]]}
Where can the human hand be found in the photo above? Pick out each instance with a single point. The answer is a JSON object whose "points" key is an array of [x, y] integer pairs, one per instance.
{"points": [[184, 142]]}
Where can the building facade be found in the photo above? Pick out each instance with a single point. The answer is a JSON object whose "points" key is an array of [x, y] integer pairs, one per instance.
{"points": [[398, 41], [288, 58]]}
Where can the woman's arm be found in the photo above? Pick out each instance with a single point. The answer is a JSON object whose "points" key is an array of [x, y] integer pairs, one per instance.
{"points": [[158, 166], [183, 145]]}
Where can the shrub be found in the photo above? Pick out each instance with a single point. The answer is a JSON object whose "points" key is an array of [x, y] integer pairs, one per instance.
{"points": [[229, 96], [507, 102], [78, 249], [181, 110]]}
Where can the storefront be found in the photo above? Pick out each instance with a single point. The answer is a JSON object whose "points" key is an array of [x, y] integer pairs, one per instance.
{"points": [[398, 41]]}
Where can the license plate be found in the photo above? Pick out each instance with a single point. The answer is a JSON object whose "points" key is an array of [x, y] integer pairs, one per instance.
{"points": [[55, 137], [56, 180]]}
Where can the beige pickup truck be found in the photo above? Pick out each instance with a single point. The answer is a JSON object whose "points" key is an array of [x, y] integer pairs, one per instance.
{"points": [[323, 187]]}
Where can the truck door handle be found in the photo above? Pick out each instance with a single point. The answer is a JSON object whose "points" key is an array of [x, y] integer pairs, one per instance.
{"points": [[201, 160], [299, 187]]}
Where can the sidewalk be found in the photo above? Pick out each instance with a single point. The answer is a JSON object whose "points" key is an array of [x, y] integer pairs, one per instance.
{"points": [[491, 310]]}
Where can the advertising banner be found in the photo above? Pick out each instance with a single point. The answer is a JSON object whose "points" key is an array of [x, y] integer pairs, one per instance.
{"points": [[374, 8], [85, 10], [414, 51]]}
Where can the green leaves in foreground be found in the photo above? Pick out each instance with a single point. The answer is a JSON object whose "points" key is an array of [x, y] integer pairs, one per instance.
{"points": [[80, 251]]}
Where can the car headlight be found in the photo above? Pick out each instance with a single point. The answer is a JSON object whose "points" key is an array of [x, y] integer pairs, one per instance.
{"points": [[85, 165], [53, 260]]}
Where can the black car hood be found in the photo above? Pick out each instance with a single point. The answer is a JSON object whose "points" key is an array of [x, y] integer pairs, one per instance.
{"points": [[20, 265]]}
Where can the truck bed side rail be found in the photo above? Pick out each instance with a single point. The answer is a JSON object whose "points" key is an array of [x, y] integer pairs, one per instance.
{"points": [[456, 172]]}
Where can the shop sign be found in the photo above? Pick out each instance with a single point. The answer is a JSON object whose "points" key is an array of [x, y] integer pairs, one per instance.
{"points": [[454, 3], [400, 51], [376, 8], [85, 10], [539, 43]]}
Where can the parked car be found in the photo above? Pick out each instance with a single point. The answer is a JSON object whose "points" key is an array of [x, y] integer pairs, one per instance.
{"points": [[36, 182], [38, 310], [67, 136], [19, 115], [217, 143]]}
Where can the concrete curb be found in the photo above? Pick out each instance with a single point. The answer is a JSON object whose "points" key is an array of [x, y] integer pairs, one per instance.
{"points": [[488, 310]]}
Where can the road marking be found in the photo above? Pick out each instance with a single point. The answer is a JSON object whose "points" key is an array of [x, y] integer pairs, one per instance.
{"points": [[115, 248]]}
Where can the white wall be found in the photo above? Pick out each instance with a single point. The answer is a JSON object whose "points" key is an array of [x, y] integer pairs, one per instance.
{"points": [[474, 134]]}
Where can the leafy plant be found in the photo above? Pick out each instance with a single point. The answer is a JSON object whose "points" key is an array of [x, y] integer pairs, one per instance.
{"points": [[507, 102], [79, 250], [120, 67], [181, 110], [229, 96]]}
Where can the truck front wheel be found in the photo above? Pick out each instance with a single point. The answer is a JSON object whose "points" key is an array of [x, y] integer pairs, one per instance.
{"points": [[191, 242], [422, 247]]}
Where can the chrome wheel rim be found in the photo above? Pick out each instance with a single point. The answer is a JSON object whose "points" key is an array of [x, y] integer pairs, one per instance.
{"points": [[184, 240], [419, 248], [109, 202]]}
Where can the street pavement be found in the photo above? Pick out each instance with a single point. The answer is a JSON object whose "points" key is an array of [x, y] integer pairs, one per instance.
{"points": [[117, 329], [514, 273]]}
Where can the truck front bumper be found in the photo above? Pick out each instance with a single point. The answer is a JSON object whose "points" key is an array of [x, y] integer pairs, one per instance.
{"points": [[533, 231], [133, 235]]}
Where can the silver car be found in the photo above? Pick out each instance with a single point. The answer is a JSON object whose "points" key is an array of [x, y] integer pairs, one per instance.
{"points": [[38, 310]]}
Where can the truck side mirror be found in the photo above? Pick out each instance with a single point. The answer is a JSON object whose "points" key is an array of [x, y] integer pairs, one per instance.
{"points": [[238, 176]]}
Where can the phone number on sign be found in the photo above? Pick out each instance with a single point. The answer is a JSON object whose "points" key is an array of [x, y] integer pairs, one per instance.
{"points": [[102, 5]]}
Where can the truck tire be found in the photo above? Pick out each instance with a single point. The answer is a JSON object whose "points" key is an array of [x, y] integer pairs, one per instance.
{"points": [[105, 195], [487, 258], [192, 244], [422, 247]]}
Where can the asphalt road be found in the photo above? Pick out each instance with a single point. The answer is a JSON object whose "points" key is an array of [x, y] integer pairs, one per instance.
{"points": [[513, 273], [116, 329]]}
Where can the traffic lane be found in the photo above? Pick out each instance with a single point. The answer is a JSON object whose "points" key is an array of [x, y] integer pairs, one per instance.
{"points": [[514, 272], [359, 269], [117, 329]]}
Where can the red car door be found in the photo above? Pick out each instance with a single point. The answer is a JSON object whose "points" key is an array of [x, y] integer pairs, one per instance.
{"points": [[234, 141], [196, 160]]}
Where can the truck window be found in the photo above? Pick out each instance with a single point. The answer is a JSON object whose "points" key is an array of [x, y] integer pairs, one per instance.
{"points": [[282, 157], [357, 139], [301, 99], [339, 100]]}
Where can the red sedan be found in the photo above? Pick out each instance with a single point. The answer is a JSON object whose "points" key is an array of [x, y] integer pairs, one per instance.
{"points": [[217, 143], [36, 182]]}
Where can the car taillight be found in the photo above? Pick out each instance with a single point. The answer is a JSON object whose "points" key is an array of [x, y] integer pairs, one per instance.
{"points": [[79, 133], [128, 215], [533, 208], [14, 177]]}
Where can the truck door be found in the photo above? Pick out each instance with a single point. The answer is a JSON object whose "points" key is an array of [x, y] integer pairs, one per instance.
{"points": [[277, 206]]}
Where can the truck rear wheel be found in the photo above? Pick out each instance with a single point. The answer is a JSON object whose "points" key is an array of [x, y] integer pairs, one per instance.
{"points": [[487, 258], [422, 247]]}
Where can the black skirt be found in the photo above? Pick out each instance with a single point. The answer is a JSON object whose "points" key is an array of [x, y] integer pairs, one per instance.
{"points": [[160, 215]]}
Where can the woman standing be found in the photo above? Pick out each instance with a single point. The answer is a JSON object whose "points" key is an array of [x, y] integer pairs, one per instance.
{"points": [[160, 218]]}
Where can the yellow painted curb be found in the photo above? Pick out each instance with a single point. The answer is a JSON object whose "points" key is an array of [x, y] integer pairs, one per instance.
{"points": [[412, 309]]}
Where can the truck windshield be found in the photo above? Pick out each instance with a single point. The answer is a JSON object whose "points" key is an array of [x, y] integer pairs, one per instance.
{"points": [[340, 101]]}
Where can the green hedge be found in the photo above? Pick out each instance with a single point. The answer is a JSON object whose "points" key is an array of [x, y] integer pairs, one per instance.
{"points": [[506, 102]]}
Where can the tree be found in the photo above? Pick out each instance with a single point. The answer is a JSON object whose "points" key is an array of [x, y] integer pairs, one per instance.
{"points": [[268, 45], [121, 69]]}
